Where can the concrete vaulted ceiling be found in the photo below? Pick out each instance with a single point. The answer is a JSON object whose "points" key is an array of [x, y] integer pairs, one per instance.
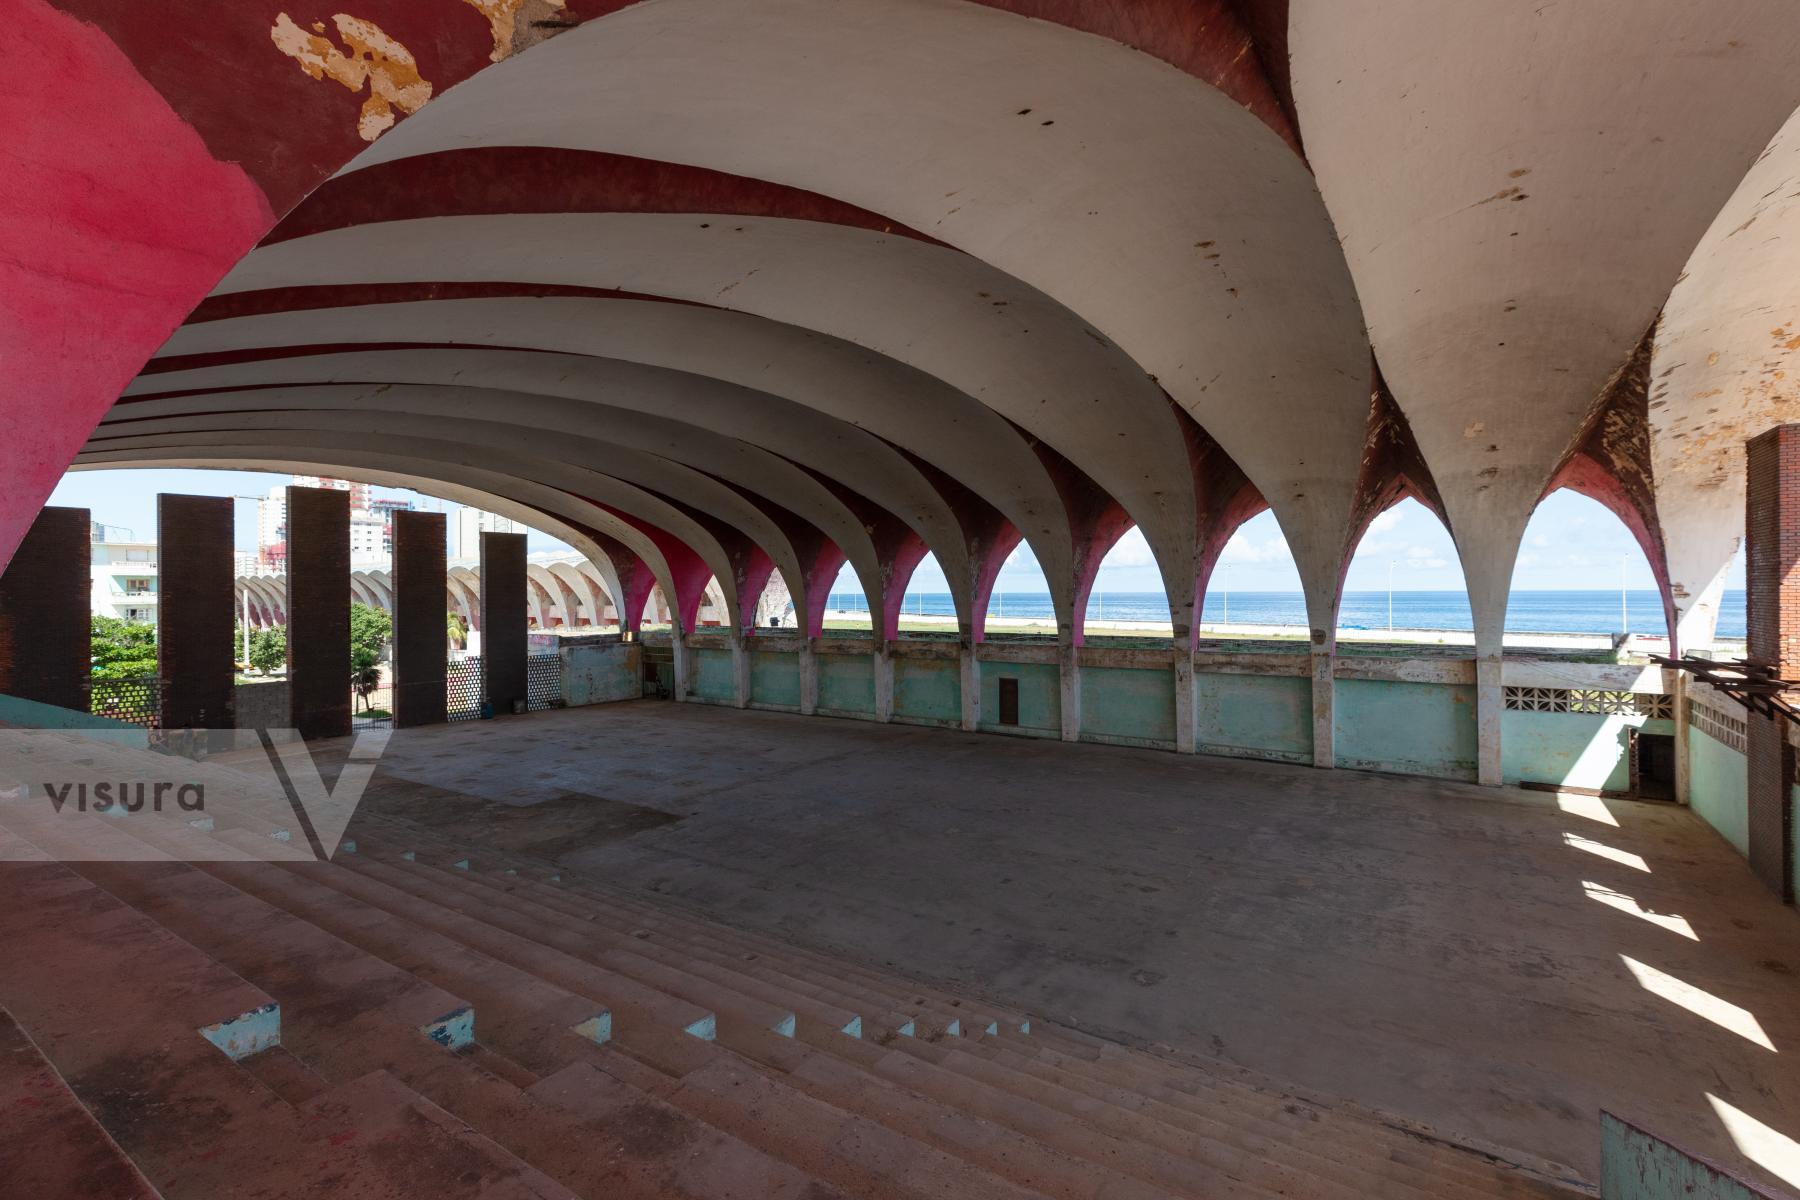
{"points": [[724, 288], [1517, 187]]}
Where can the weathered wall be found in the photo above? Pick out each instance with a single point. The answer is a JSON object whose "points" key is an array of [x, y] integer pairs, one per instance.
{"points": [[600, 672], [1718, 787], [712, 679], [775, 679], [1040, 698], [1131, 706], [1254, 716], [318, 605], [421, 654], [1575, 750], [1410, 728], [504, 630], [846, 683], [928, 690]]}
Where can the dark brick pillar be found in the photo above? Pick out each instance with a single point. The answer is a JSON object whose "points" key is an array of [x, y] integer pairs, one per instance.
{"points": [[420, 630], [1772, 575], [195, 608], [318, 607], [503, 627], [45, 650]]}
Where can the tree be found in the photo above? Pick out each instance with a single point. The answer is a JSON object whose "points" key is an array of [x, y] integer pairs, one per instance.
{"points": [[268, 649], [456, 628], [122, 649], [370, 629]]}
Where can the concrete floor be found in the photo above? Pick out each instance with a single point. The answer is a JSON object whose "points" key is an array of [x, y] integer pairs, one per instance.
{"points": [[1424, 947]]}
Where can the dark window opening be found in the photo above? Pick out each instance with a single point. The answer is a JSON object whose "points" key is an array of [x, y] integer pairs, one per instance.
{"points": [[1009, 700]]}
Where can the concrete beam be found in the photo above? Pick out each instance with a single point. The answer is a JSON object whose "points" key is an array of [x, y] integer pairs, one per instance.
{"points": [[421, 654], [969, 672], [740, 670], [45, 638], [1184, 701], [196, 603], [1490, 704], [1324, 696], [1068, 661], [809, 679], [318, 607], [882, 664], [503, 628]]}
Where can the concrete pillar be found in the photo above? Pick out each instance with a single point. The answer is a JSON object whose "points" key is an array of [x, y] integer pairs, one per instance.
{"points": [[504, 630], [884, 682], [421, 636], [1684, 765], [196, 651], [318, 609], [740, 669], [46, 642], [1772, 578], [678, 649], [1184, 701], [1069, 661], [1324, 698], [809, 678], [1490, 703], [969, 668]]}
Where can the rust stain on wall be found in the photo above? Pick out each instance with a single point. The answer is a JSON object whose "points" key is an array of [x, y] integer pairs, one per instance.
{"points": [[369, 57]]}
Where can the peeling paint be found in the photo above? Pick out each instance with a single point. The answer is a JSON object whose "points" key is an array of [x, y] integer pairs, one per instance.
{"points": [[373, 58]]}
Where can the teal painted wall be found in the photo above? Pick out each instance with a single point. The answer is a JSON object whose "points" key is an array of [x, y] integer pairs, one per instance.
{"points": [[1040, 698], [1409, 728], [1254, 716], [1135, 704], [1577, 750], [1635, 1165], [775, 678], [598, 674], [710, 675], [1719, 788], [928, 689], [847, 683]]}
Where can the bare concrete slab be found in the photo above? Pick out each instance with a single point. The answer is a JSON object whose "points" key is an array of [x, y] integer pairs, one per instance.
{"points": [[1497, 963]]}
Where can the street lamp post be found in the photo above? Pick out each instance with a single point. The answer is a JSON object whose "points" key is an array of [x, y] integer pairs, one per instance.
{"points": [[1391, 595]]}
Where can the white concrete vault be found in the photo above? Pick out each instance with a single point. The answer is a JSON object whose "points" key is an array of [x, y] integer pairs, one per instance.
{"points": [[1180, 226], [914, 413], [556, 512], [685, 417]]}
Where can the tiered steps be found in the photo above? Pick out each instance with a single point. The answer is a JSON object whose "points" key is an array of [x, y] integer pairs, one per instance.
{"points": [[454, 1023]]}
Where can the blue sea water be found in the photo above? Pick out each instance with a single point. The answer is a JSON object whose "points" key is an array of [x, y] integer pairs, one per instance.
{"points": [[1528, 612]]}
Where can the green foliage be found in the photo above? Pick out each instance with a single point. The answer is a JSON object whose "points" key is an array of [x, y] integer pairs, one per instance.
{"points": [[268, 649], [122, 649], [370, 629], [456, 628]]}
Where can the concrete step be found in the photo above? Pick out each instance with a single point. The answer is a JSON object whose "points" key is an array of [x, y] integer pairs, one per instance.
{"points": [[476, 910], [374, 1136], [890, 1009], [279, 1070], [52, 1145]]}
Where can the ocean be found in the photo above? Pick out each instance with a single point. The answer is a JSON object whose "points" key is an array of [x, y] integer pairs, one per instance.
{"points": [[1528, 612]]}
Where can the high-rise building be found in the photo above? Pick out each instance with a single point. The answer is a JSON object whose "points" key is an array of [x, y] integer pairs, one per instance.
{"points": [[471, 523]]}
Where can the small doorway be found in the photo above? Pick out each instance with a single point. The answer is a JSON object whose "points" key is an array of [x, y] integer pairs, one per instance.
{"points": [[1009, 700], [1653, 766]]}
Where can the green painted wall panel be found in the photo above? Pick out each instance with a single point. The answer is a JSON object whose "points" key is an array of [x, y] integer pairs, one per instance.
{"points": [[775, 678], [1409, 728], [711, 677], [1040, 697], [1134, 703], [1576, 750], [847, 683], [1257, 716], [1719, 788], [928, 689]]}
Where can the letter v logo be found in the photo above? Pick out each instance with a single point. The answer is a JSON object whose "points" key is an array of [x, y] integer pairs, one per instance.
{"points": [[324, 813]]}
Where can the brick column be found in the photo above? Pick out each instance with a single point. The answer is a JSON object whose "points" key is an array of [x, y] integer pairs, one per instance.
{"points": [[1772, 575], [196, 608], [45, 640], [503, 628], [421, 654], [318, 610]]}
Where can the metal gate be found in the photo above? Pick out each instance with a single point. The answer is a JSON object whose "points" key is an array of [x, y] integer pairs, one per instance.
{"points": [[134, 701]]}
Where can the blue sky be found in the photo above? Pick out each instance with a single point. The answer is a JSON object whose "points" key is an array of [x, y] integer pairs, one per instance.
{"points": [[1572, 543]]}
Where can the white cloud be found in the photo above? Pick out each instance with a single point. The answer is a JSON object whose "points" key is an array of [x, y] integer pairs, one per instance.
{"points": [[1131, 550]]}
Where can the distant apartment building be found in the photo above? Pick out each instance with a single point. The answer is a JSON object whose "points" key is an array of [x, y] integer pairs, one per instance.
{"points": [[471, 523], [371, 524], [123, 575]]}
